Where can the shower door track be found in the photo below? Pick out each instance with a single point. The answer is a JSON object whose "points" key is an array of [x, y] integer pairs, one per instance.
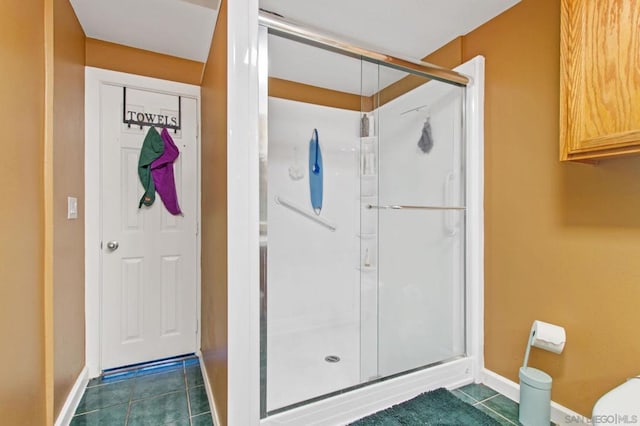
{"points": [[362, 385]]}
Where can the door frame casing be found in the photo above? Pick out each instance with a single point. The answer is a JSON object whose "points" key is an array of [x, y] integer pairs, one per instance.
{"points": [[94, 78]]}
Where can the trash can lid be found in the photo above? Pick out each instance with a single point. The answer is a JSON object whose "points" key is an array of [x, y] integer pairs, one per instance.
{"points": [[535, 378]]}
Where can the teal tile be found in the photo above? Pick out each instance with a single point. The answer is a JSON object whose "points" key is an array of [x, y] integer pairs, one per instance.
{"points": [[111, 416], [104, 380], [158, 384], [105, 396], [202, 420], [183, 422], [198, 400], [478, 392], [161, 410], [463, 396], [95, 382], [504, 406], [497, 417], [194, 376]]}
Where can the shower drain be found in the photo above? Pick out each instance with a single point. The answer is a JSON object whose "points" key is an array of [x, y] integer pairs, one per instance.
{"points": [[332, 358]]}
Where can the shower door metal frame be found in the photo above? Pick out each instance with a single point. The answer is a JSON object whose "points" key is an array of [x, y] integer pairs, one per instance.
{"points": [[270, 23], [296, 31], [263, 149]]}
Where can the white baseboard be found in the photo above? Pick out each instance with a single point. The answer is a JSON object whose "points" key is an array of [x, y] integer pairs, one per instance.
{"points": [[207, 387], [560, 414], [73, 399]]}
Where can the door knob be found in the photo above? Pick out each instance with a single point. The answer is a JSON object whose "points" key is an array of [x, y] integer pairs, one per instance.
{"points": [[113, 245]]}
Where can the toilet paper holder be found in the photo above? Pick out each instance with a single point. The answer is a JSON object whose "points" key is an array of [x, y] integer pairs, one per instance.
{"points": [[545, 336], [535, 385]]}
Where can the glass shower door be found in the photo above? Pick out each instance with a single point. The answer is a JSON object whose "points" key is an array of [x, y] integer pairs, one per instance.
{"points": [[370, 283], [421, 217], [311, 308]]}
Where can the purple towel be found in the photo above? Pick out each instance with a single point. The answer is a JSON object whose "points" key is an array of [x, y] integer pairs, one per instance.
{"points": [[162, 173]]}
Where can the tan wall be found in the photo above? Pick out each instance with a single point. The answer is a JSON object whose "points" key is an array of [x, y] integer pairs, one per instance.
{"points": [[68, 180], [561, 239], [214, 216], [22, 387], [300, 92], [448, 56], [116, 57]]}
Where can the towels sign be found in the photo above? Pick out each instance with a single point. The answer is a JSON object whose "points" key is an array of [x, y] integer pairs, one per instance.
{"points": [[160, 120]]}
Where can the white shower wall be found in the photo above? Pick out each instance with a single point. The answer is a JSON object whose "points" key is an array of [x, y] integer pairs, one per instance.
{"points": [[313, 300]]}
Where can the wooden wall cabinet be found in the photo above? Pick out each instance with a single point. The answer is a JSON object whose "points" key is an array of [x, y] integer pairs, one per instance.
{"points": [[599, 79]]}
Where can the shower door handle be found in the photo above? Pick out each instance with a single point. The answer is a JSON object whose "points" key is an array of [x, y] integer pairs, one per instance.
{"points": [[403, 207]]}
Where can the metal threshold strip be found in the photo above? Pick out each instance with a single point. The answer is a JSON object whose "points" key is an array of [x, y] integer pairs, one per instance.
{"points": [[292, 29], [401, 207]]}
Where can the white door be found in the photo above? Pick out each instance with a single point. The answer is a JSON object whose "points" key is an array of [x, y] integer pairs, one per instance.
{"points": [[149, 280]]}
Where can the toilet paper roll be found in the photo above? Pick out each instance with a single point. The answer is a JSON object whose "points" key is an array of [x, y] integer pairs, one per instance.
{"points": [[548, 336]]}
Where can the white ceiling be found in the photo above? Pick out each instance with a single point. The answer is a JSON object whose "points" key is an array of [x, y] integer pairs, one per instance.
{"points": [[182, 28], [410, 28]]}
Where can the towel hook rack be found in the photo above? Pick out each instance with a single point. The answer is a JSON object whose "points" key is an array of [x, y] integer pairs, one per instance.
{"points": [[141, 123]]}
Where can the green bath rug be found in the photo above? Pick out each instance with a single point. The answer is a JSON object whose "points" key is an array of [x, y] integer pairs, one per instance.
{"points": [[438, 407]]}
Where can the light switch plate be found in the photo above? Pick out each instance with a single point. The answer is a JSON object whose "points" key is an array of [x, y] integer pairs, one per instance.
{"points": [[72, 208]]}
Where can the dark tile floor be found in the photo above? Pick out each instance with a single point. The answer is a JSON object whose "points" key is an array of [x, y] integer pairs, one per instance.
{"points": [[485, 399], [498, 406], [170, 394], [173, 394]]}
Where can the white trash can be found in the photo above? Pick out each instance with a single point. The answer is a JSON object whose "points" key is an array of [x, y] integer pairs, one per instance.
{"points": [[535, 397]]}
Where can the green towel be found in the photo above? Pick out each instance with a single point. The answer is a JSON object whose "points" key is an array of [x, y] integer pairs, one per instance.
{"points": [[152, 148]]}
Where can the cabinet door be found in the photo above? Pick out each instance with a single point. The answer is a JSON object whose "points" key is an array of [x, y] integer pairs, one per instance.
{"points": [[600, 79]]}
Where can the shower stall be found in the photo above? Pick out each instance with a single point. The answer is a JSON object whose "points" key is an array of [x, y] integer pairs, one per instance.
{"points": [[370, 227]]}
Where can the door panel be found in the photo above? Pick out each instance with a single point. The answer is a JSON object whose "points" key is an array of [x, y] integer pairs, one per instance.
{"points": [[421, 241], [132, 291], [170, 294], [149, 282]]}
